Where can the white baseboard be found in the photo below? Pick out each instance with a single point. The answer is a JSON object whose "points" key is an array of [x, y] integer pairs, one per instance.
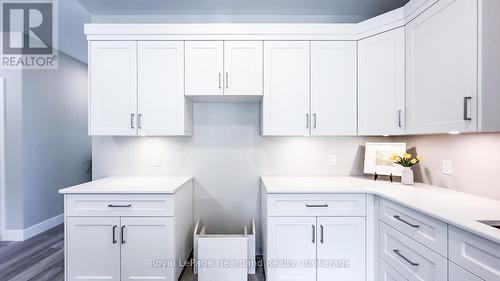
{"points": [[27, 233]]}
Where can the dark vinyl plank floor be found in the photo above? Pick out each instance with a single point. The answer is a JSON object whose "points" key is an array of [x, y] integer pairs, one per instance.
{"points": [[41, 258]]}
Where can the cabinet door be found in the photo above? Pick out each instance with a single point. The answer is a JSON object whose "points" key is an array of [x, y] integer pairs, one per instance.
{"points": [[286, 88], [442, 68], [161, 100], [93, 248], [381, 63], [456, 273], [243, 68], [341, 248], [204, 68], [291, 248], [333, 88], [145, 240], [113, 88]]}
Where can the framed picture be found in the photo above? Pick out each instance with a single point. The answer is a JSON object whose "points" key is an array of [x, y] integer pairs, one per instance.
{"points": [[378, 158]]}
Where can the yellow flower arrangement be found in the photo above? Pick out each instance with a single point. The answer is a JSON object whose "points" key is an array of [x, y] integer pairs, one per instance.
{"points": [[406, 160]]}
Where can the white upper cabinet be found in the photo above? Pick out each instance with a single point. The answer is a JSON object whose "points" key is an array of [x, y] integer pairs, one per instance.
{"points": [[333, 88], [381, 80], [442, 68], [286, 88], [162, 108], [243, 67], [204, 68], [113, 88]]}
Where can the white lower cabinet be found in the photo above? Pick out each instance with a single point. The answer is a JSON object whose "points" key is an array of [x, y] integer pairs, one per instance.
{"points": [[144, 239], [456, 273], [413, 260], [92, 248], [292, 244], [387, 273], [341, 248]]}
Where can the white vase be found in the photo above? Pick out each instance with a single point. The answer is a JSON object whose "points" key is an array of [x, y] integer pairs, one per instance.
{"points": [[407, 176]]}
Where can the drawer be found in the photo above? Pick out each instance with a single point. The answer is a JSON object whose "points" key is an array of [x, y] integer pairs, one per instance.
{"points": [[119, 205], [429, 231], [475, 254], [457, 273], [316, 205], [410, 258], [387, 273]]}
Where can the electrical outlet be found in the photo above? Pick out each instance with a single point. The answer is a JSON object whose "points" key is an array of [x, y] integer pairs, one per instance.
{"points": [[333, 160], [156, 161], [447, 167]]}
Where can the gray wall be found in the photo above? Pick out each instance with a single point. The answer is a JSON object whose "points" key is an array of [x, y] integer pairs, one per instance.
{"points": [[226, 156], [56, 147]]}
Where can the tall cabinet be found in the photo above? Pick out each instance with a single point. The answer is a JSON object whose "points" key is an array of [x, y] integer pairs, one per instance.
{"points": [[381, 80], [137, 88], [333, 88], [442, 68], [285, 105]]}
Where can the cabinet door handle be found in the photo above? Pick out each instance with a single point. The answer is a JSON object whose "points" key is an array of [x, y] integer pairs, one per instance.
{"points": [[317, 205], [321, 237], [139, 121], [400, 118], [466, 108], [119, 206], [314, 121], [114, 234], [122, 234], [132, 115], [307, 120], [313, 234], [405, 258], [406, 222], [220, 84], [227, 80]]}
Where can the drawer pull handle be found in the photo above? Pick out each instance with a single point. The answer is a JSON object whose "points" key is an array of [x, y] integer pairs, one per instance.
{"points": [[114, 234], [406, 222], [317, 206], [122, 234], [405, 258], [119, 206]]}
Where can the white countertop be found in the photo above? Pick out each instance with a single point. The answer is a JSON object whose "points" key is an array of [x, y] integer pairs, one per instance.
{"points": [[460, 209], [164, 185]]}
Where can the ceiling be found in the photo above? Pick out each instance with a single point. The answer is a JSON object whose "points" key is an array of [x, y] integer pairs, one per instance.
{"points": [[242, 7]]}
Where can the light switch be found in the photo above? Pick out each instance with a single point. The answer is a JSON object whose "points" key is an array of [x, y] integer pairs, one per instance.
{"points": [[447, 167]]}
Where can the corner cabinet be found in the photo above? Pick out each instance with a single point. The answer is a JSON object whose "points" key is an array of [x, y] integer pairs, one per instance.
{"points": [[381, 80], [442, 68], [137, 88]]}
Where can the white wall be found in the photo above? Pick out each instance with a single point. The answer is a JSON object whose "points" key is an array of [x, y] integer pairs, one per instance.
{"points": [[474, 162], [226, 156], [56, 147]]}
